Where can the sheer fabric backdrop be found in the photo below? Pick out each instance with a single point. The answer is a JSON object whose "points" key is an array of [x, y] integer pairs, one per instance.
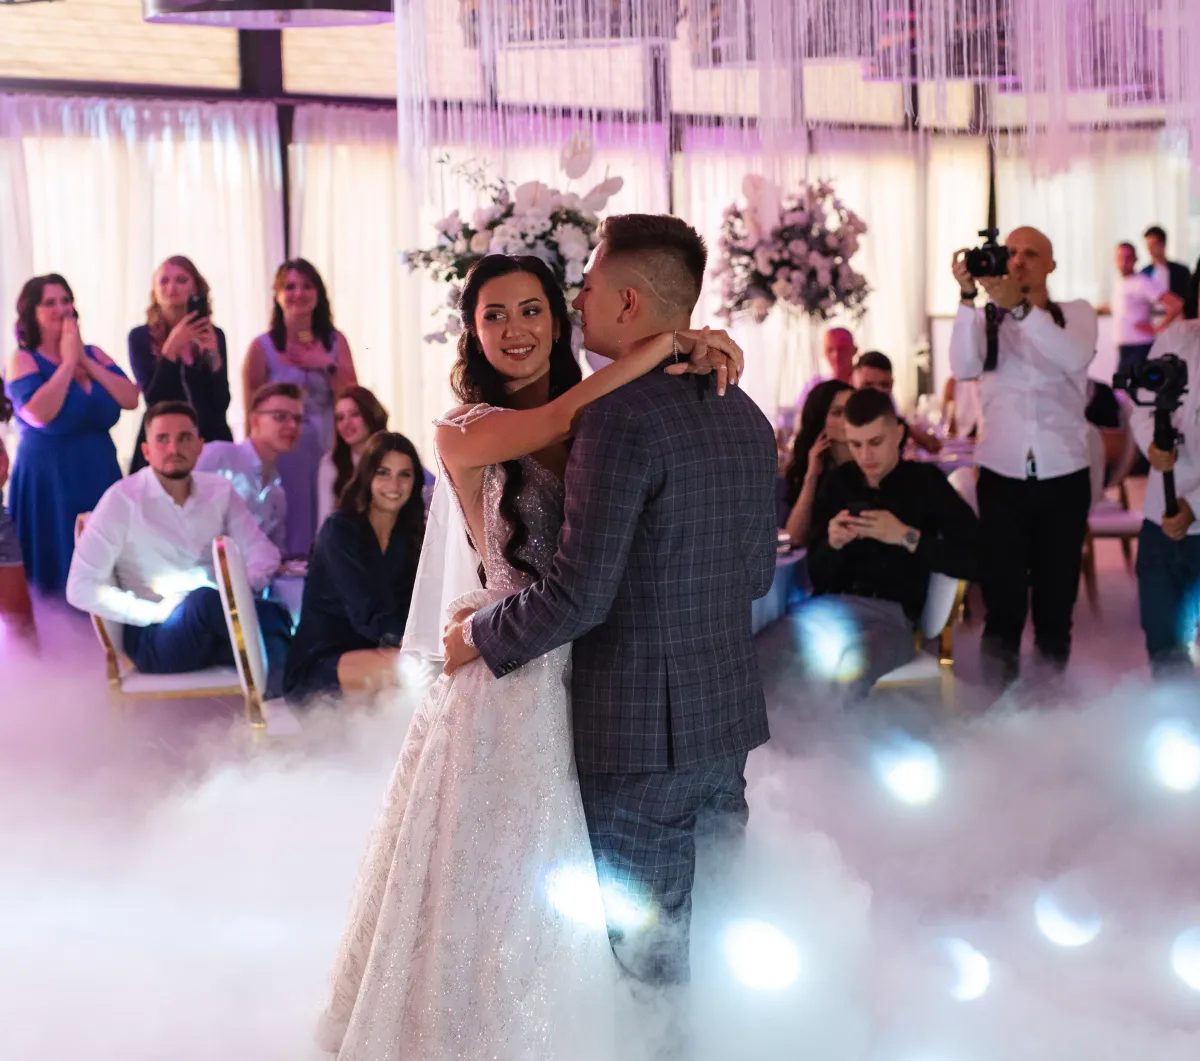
{"points": [[104, 189], [345, 200], [101, 190]]}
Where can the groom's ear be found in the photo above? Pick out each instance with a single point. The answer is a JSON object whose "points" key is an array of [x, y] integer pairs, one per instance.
{"points": [[631, 301]]}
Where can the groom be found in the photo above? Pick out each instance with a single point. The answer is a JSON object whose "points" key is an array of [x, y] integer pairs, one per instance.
{"points": [[669, 535]]}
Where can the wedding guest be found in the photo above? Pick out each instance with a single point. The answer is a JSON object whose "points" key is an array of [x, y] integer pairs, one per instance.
{"points": [[360, 580], [357, 416], [880, 526], [820, 447], [68, 396], [276, 416], [1167, 275], [1136, 299], [178, 355], [16, 609], [145, 558], [873, 370], [302, 347], [840, 353]]}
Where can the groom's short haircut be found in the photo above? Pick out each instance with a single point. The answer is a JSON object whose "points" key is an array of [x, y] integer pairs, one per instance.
{"points": [[665, 253]]}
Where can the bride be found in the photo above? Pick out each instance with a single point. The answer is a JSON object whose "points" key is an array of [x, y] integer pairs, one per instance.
{"points": [[477, 927]]}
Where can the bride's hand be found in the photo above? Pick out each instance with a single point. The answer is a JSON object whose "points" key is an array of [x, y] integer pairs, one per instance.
{"points": [[710, 351], [457, 651]]}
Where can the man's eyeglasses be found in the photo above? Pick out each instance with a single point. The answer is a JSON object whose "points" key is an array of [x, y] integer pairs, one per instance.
{"points": [[282, 417]]}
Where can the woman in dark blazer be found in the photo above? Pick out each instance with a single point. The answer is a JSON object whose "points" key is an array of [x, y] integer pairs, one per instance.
{"points": [[360, 579]]}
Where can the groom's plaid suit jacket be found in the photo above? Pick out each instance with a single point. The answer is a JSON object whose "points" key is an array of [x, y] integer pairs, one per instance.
{"points": [[669, 535]]}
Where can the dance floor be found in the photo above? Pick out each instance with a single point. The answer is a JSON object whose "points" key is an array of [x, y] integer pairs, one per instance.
{"points": [[1001, 886]]}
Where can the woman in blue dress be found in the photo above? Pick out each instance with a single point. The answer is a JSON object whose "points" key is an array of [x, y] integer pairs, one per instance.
{"points": [[67, 397], [302, 347]]}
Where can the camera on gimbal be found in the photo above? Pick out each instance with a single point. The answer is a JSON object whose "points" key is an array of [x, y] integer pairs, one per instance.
{"points": [[989, 259], [1165, 377]]}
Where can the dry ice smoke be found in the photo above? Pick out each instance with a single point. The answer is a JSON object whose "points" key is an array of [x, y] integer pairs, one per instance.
{"points": [[1013, 888]]}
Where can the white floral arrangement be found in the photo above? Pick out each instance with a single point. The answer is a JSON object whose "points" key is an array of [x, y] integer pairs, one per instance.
{"points": [[794, 249], [558, 227]]}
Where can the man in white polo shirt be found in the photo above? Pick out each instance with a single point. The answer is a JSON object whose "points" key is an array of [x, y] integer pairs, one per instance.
{"points": [[1137, 299]]}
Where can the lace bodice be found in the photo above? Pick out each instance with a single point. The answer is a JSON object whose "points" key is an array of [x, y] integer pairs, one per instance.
{"points": [[539, 505]]}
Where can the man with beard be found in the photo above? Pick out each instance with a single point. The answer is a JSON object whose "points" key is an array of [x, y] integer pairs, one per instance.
{"points": [[145, 557]]}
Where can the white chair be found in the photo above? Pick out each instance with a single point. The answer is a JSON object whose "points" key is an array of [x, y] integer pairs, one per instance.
{"points": [[943, 604], [249, 655], [966, 484], [127, 684]]}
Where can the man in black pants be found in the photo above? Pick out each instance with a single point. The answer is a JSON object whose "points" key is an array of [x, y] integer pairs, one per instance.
{"points": [[1034, 480]]}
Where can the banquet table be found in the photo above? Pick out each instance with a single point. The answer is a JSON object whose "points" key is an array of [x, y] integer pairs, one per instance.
{"points": [[791, 577], [956, 453]]}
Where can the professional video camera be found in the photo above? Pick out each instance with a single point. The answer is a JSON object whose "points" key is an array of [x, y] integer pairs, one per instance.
{"points": [[1166, 378], [990, 259]]}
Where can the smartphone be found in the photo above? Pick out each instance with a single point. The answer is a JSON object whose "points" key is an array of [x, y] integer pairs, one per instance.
{"points": [[857, 508], [198, 304]]}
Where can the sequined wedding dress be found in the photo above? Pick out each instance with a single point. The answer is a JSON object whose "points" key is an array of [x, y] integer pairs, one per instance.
{"points": [[476, 929]]}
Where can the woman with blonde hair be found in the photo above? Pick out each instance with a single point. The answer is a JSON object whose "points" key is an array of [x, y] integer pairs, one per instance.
{"points": [[178, 355]]}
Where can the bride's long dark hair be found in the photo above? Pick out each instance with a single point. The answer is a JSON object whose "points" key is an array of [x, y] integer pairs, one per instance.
{"points": [[474, 379]]}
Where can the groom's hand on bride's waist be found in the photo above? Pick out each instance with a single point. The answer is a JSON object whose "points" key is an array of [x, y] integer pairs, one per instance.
{"points": [[454, 643]]}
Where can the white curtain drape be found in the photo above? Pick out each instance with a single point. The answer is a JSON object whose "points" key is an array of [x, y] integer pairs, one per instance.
{"points": [[105, 189], [344, 184], [1133, 179]]}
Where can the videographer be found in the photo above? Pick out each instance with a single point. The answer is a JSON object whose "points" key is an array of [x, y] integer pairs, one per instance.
{"points": [[1168, 560], [1031, 356]]}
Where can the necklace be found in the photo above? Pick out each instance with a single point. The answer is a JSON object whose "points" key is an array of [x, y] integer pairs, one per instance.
{"points": [[306, 337]]}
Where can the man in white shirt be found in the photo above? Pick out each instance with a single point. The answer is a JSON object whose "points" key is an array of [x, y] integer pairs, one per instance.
{"points": [[1034, 490], [276, 416], [1137, 298], [145, 557], [1168, 560]]}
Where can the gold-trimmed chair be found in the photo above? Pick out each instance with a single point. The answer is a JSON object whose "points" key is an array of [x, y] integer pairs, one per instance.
{"points": [[270, 717], [943, 607], [126, 684]]}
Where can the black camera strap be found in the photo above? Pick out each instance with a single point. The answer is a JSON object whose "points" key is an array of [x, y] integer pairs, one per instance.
{"points": [[991, 317], [993, 314]]}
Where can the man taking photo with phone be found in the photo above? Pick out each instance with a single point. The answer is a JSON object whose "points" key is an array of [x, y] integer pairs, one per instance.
{"points": [[880, 526]]}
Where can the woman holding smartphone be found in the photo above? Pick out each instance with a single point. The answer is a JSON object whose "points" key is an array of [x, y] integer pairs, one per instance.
{"points": [[177, 355]]}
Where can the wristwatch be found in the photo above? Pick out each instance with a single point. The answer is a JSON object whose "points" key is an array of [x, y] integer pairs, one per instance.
{"points": [[968, 296], [912, 539], [1020, 311]]}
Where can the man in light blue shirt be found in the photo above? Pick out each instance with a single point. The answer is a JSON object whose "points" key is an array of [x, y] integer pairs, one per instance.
{"points": [[276, 416]]}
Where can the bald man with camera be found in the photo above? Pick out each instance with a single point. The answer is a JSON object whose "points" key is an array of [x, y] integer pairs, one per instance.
{"points": [[1031, 356]]}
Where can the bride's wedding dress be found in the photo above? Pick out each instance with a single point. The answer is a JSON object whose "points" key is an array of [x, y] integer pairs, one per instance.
{"points": [[476, 929]]}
